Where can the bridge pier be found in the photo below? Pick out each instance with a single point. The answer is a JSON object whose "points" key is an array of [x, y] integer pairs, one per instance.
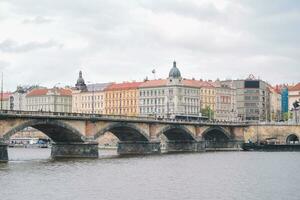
{"points": [[75, 150], [3, 152], [138, 147], [223, 145], [185, 146]]}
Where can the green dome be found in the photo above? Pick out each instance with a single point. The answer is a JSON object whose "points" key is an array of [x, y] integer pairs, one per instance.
{"points": [[174, 72]]}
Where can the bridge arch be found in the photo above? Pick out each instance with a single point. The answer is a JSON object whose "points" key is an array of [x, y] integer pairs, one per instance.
{"points": [[216, 134], [56, 130], [292, 138], [177, 133], [124, 132]]}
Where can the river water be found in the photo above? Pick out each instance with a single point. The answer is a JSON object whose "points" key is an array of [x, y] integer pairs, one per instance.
{"points": [[31, 174]]}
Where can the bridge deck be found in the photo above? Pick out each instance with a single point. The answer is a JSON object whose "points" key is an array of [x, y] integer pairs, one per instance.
{"points": [[99, 117]]}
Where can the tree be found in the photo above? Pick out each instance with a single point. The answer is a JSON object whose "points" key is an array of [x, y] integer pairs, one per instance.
{"points": [[207, 112], [287, 116]]}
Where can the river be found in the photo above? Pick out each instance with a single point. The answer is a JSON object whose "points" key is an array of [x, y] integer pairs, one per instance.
{"points": [[31, 174]]}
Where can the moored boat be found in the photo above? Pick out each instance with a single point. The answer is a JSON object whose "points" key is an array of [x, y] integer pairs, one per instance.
{"points": [[270, 147]]}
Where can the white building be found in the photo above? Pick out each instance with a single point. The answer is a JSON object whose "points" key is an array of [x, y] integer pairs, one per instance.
{"points": [[169, 97], [53, 100], [18, 98]]}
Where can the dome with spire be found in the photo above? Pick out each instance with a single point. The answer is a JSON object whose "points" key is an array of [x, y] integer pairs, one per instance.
{"points": [[174, 72], [80, 84]]}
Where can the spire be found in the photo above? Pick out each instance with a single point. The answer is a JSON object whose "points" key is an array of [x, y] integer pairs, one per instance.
{"points": [[174, 63], [80, 85]]}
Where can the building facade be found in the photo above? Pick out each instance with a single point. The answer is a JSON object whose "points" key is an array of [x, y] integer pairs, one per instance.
{"points": [[225, 102], [90, 100], [52, 100], [122, 99], [283, 90], [169, 97], [294, 95], [5, 101], [275, 105], [207, 95], [18, 98], [252, 99]]}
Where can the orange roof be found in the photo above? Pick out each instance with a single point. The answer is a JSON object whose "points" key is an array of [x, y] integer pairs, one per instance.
{"points": [[123, 86], [191, 83], [154, 83], [200, 83], [5, 96], [44, 91], [295, 88], [186, 82]]}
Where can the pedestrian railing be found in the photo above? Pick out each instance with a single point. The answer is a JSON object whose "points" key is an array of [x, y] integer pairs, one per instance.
{"points": [[134, 118]]}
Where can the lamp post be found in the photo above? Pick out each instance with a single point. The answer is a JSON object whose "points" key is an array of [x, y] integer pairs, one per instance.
{"points": [[54, 103], [1, 91]]}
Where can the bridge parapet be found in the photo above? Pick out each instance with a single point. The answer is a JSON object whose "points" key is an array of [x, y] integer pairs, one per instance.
{"points": [[101, 117]]}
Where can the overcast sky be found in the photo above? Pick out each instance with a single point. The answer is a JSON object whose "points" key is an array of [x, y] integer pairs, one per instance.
{"points": [[48, 41]]}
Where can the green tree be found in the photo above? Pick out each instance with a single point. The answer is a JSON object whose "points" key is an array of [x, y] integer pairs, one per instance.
{"points": [[287, 116], [208, 112]]}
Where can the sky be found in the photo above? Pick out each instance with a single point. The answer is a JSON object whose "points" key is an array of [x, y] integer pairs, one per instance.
{"points": [[47, 42]]}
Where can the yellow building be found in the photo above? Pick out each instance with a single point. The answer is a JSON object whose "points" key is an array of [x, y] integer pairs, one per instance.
{"points": [[122, 99], [207, 95], [91, 100]]}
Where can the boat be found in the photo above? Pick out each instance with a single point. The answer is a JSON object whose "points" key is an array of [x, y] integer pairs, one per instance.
{"points": [[270, 147]]}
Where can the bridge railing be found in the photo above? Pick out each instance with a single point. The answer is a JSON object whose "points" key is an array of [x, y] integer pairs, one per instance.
{"points": [[117, 117]]}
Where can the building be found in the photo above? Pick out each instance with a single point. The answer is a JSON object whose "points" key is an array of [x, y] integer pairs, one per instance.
{"points": [[283, 90], [122, 99], [53, 100], [4, 101], [90, 100], [18, 98], [207, 95], [252, 98], [294, 94], [225, 109], [275, 105], [169, 97]]}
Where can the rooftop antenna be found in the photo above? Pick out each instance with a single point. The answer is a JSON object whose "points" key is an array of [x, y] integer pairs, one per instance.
{"points": [[1, 91]]}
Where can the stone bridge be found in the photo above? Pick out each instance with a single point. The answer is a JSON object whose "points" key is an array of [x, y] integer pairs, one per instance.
{"points": [[75, 135]]}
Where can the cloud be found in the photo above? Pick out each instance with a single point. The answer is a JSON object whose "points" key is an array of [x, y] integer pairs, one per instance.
{"points": [[124, 40], [11, 46], [37, 20]]}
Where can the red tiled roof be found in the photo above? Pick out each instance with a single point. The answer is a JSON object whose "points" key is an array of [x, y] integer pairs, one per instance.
{"points": [[123, 86], [65, 92], [295, 88], [186, 82], [44, 91], [154, 83], [198, 83], [38, 92], [5, 96]]}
